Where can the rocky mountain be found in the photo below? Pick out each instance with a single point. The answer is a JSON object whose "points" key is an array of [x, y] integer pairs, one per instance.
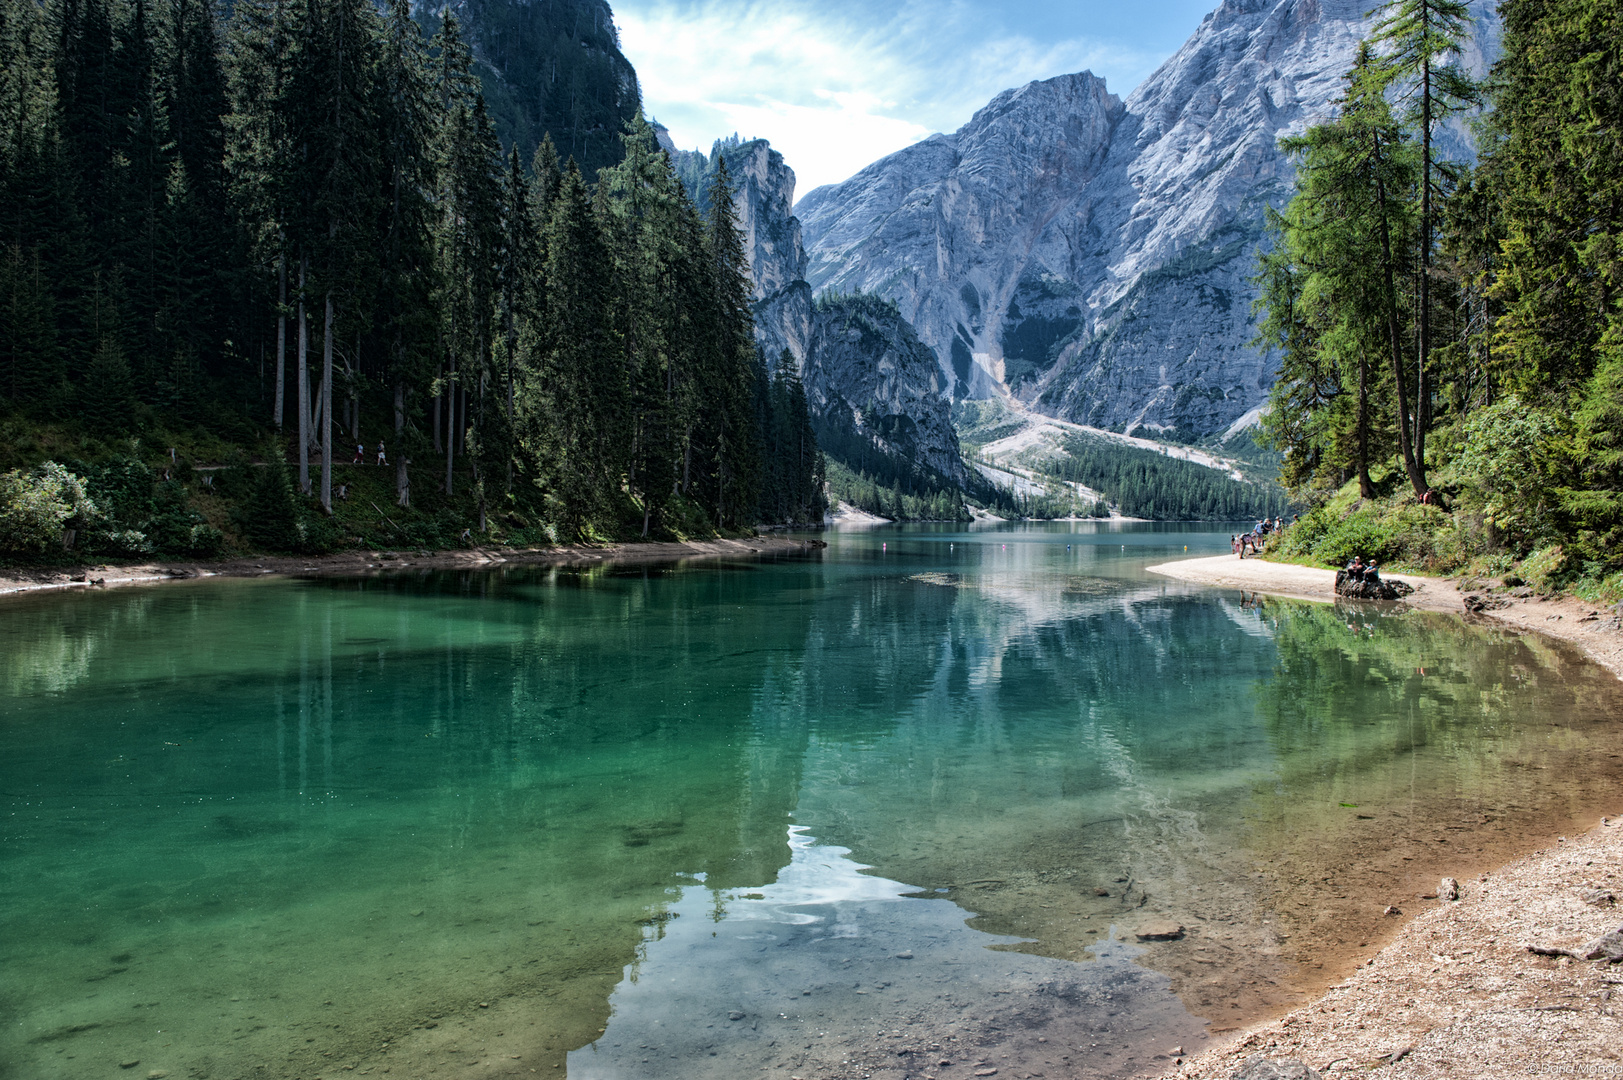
{"points": [[548, 66], [1090, 255], [763, 199], [877, 396]]}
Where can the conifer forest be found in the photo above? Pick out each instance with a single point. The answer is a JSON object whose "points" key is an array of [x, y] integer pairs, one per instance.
{"points": [[1450, 331], [288, 237]]}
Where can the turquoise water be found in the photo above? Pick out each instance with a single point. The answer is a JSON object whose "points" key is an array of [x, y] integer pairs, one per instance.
{"points": [[509, 820]]}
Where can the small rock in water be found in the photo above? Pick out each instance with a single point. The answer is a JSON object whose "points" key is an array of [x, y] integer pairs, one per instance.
{"points": [[1159, 930], [735, 1015], [1176, 1051], [130, 1064], [157, 1074], [1600, 897], [1101, 891], [904, 955], [1448, 889], [1390, 910], [1267, 1068], [985, 1072]]}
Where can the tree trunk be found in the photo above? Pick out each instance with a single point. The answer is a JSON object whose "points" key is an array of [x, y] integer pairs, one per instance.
{"points": [[326, 409], [402, 479], [281, 339], [1417, 479], [304, 387], [450, 427], [1422, 405], [434, 421], [1366, 490]]}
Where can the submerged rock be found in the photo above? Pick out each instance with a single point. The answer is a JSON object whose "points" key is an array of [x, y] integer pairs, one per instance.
{"points": [[1448, 889]]}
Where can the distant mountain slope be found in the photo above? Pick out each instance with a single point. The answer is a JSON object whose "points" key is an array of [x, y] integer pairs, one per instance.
{"points": [[549, 66], [877, 397], [1090, 255]]}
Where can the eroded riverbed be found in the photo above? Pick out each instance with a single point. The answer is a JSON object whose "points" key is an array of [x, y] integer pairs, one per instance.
{"points": [[576, 820]]}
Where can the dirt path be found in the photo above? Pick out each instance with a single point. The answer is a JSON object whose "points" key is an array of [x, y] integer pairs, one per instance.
{"points": [[18, 582]]}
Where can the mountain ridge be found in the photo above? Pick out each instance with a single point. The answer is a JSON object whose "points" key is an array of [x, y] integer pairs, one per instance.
{"points": [[1091, 255]]}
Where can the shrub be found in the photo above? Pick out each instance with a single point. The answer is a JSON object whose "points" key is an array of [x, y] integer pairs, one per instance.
{"points": [[36, 509]]}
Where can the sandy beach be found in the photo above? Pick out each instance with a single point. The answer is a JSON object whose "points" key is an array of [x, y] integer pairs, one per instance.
{"points": [[1590, 628], [1456, 992]]}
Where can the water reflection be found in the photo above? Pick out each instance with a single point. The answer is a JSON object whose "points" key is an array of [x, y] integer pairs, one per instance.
{"points": [[416, 793], [830, 970]]}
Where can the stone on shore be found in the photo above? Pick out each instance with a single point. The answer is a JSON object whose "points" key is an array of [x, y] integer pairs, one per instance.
{"points": [[1267, 1068]]}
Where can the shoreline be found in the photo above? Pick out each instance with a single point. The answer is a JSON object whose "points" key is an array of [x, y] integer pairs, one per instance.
{"points": [[1564, 618], [1454, 990], [25, 582]]}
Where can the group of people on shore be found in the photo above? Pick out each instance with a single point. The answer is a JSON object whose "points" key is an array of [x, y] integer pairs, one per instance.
{"points": [[1251, 542]]}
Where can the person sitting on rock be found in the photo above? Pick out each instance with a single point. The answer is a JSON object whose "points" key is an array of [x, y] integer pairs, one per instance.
{"points": [[1372, 575], [1355, 569]]}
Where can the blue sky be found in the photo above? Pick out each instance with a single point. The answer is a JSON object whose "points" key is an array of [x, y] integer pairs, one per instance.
{"points": [[835, 84]]}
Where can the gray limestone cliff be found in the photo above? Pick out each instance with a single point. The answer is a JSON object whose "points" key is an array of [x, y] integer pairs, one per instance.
{"points": [[875, 392], [1092, 256], [877, 396]]}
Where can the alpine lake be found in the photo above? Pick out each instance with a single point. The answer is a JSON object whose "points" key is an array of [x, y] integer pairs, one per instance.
{"points": [[901, 807]]}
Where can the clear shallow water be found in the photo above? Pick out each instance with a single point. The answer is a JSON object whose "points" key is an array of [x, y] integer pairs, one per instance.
{"points": [[535, 817]]}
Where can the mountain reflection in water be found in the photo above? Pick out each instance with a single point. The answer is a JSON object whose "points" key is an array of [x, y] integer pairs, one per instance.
{"points": [[276, 827]]}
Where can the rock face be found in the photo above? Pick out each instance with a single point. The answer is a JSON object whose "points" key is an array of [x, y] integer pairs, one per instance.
{"points": [[548, 66], [876, 394], [763, 200], [1091, 255]]}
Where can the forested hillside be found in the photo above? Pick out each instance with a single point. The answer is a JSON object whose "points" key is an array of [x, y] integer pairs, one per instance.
{"points": [[295, 231], [1451, 391]]}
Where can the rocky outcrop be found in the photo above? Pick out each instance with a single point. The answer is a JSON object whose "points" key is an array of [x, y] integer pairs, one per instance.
{"points": [[548, 67], [763, 200], [876, 395], [875, 392], [1090, 255]]}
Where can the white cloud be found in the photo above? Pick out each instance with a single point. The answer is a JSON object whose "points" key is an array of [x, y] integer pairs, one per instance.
{"points": [[834, 86]]}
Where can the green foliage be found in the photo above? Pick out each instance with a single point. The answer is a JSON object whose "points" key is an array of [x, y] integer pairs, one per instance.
{"points": [[1395, 531], [36, 508], [869, 495], [1514, 459], [269, 516]]}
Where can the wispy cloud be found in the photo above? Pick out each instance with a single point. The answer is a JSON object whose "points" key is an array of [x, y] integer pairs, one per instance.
{"points": [[835, 85]]}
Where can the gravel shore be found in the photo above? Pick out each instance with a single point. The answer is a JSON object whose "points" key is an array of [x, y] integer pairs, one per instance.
{"points": [[1456, 992]]}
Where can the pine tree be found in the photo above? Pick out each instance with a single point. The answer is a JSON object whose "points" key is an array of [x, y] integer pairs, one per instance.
{"points": [[734, 437], [1421, 43], [405, 318], [1330, 291]]}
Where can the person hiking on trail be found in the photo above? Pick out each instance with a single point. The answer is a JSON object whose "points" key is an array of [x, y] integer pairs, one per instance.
{"points": [[360, 454], [383, 458]]}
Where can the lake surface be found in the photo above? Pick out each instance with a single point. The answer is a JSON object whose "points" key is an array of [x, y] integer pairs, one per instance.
{"points": [[898, 803]]}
